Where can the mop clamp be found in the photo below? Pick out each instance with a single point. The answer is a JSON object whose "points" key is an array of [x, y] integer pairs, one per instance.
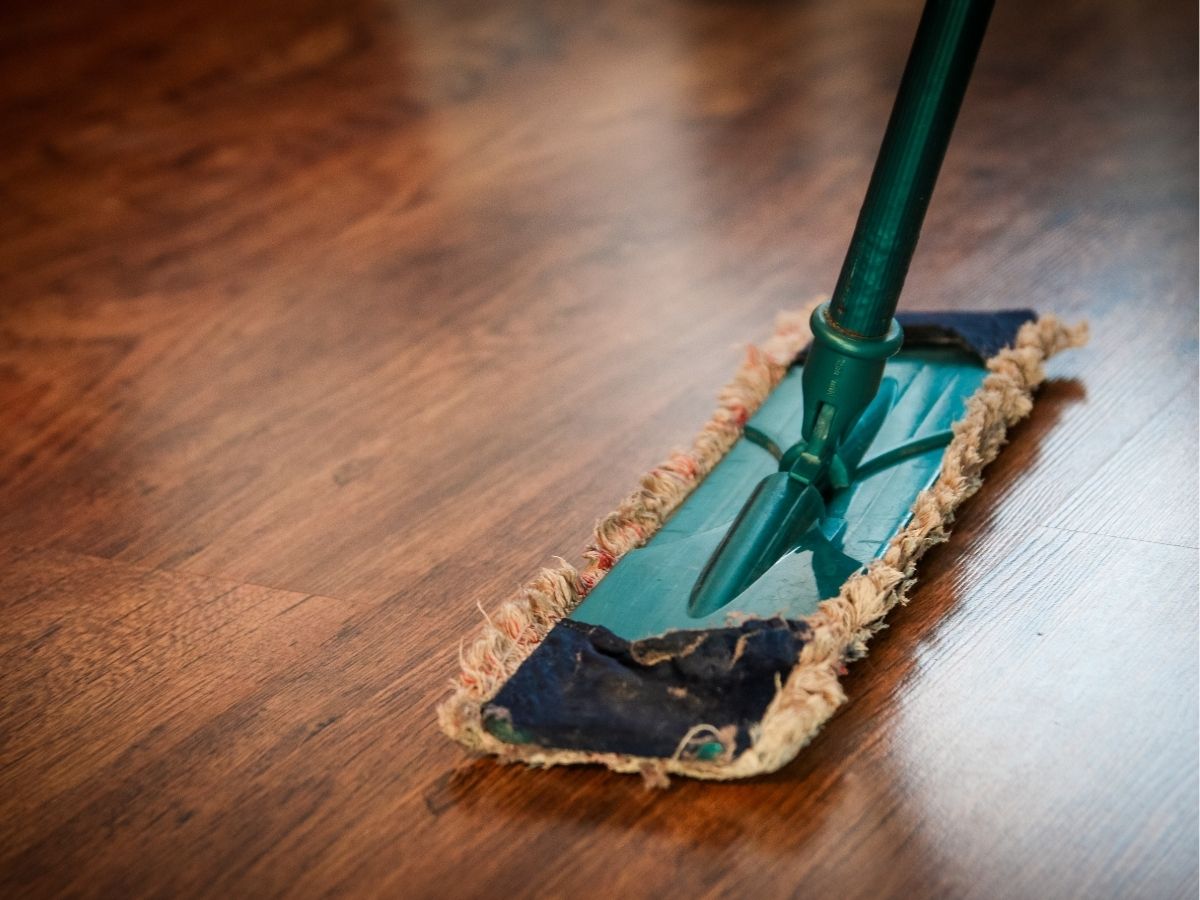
{"points": [[843, 411], [841, 377]]}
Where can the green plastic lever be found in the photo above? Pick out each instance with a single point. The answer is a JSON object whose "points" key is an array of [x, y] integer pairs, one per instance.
{"points": [[855, 333]]}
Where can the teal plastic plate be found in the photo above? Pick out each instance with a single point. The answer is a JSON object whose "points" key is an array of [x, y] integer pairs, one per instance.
{"points": [[647, 592]]}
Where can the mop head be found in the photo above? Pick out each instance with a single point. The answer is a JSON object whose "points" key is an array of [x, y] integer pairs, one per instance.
{"points": [[743, 699]]}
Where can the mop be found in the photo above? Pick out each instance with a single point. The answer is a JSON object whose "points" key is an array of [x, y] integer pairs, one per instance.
{"points": [[723, 599]]}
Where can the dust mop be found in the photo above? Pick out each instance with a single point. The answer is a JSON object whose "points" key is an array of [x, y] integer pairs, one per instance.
{"points": [[723, 598]]}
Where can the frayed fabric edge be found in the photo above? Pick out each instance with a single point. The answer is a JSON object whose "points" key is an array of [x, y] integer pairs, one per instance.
{"points": [[841, 626]]}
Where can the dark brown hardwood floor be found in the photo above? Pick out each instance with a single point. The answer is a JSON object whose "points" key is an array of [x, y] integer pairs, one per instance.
{"points": [[324, 323]]}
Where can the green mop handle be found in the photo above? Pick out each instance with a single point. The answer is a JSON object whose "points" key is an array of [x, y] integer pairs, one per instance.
{"points": [[855, 333], [931, 92]]}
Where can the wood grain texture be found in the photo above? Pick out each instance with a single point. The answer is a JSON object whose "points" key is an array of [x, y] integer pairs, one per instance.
{"points": [[323, 323]]}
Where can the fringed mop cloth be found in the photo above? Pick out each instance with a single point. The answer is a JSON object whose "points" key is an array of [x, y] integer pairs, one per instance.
{"points": [[836, 634]]}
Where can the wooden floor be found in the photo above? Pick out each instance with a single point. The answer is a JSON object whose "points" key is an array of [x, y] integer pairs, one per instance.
{"points": [[324, 323]]}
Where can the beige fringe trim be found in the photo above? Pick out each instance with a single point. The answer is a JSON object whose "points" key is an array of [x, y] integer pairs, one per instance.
{"points": [[840, 627]]}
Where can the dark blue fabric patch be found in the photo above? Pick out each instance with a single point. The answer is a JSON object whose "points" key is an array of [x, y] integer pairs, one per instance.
{"points": [[983, 333], [585, 688]]}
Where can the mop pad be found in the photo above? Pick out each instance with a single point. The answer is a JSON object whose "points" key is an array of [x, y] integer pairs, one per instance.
{"points": [[743, 694]]}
